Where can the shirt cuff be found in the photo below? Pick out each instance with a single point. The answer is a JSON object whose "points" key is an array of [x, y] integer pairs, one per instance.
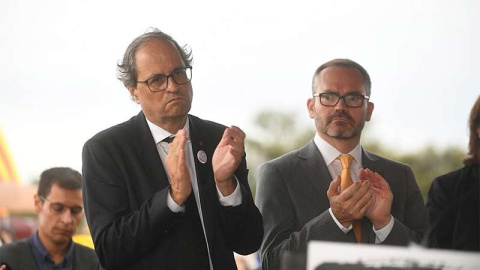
{"points": [[173, 206], [340, 226], [233, 199], [382, 234]]}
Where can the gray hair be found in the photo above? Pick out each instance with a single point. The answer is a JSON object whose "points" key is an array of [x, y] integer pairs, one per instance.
{"points": [[345, 63], [127, 68]]}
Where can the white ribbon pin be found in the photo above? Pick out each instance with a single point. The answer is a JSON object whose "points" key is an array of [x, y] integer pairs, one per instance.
{"points": [[202, 156]]}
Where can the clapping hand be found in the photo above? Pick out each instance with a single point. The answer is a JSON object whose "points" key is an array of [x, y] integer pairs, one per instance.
{"points": [[351, 204], [227, 157], [380, 208], [180, 186]]}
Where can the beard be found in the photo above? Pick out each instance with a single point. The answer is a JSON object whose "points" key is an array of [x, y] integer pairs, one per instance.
{"points": [[343, 129]]}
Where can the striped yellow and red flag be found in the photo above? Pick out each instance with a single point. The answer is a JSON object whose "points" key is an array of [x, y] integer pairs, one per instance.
{"points": [[8, 173]]}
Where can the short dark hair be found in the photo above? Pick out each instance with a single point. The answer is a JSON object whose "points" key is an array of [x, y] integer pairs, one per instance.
{"points": [[64, 177], [127, 68], [345, 63], [473, 156]]}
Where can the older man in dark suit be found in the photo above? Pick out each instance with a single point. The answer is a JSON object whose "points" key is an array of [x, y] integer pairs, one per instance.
{"points": [[370, 200], [58, 203], [152, 201]]}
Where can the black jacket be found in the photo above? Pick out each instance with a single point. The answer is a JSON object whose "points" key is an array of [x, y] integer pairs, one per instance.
{"points": [[125, 197], [18, 256], [453, 206]]}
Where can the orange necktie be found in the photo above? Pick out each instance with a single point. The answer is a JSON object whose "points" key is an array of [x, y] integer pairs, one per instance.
{"points": [[346, 160]]}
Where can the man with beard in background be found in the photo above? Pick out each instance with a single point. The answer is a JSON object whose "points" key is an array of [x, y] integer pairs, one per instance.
{"points": [[370, 199]]}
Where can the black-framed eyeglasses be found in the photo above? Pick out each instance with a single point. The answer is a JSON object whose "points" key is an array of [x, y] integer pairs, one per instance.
{"points": [[332, 99], [159, 82], [60, 208]]}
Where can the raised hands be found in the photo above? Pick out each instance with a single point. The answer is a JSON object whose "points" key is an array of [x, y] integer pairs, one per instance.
{"points": [[227, 157], [370, 197], [380, 208], [180, 186], [351, 204]]}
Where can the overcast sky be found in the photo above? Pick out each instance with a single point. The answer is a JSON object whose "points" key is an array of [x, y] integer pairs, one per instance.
{"points": [[58, 66]]}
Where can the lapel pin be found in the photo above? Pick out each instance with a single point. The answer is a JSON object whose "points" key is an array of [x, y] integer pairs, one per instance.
{"points": [[202, 157]]}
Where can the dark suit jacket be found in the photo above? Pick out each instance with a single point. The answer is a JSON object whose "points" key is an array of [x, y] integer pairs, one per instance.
{"points": [[453, 206], [19, 256], [125, 196], [292, 197]]}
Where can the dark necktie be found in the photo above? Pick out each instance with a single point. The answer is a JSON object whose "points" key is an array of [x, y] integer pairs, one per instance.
{"points": [[169, 139], [192, 230]]}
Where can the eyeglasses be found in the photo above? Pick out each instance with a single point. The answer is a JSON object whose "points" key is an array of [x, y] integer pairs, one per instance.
{"points": [[159, 82], [332, 99], [60, 208]]}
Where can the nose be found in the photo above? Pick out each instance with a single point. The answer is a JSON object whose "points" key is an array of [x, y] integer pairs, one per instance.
{"points": [[67, 217], [341, 105], [172, 86]]}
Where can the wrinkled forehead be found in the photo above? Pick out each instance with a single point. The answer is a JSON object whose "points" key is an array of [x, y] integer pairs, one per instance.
{"points": [[65, 196], [157, 47], [158, 56]]}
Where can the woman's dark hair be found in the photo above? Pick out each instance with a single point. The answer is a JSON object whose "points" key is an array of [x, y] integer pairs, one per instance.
{"points": [[473, 156]]}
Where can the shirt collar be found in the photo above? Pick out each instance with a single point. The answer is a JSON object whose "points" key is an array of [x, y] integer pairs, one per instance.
{"points": [[37, 244], [159, 133], [41, 253], [330, 153]]}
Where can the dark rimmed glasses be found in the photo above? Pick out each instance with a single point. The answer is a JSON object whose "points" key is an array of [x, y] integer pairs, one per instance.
{"points": [[159, 82], [332, 99], [60, 208]]}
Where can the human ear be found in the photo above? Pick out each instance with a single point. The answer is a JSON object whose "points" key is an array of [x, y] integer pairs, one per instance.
{"points": [[311, 107], [38, 203], [370, 107], [133, 94]]}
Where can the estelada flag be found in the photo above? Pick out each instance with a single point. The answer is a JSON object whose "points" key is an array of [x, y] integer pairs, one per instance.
{"points": [[8, 173]]}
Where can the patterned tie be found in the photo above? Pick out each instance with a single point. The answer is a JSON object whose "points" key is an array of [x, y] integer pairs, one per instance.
{"points": [[346, 160]]}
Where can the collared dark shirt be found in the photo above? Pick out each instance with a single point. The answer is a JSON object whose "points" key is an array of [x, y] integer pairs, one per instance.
{"points": [[43, 259]]}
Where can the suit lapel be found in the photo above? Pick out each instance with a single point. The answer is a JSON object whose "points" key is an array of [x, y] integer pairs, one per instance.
{"points": [[369, 161], [146, 151], [200, 145], [203, 143], [28, 259], [316, 170]]}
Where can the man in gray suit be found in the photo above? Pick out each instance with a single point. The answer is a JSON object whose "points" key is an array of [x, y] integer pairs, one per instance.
{"points": [[300, 202], [58, 203]]}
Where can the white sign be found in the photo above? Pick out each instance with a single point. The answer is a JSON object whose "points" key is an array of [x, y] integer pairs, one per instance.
{"points": [[332, 256]]}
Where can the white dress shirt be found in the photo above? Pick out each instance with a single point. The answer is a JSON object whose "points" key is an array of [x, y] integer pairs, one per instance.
{"points": [[330, 155], [233, 199]]}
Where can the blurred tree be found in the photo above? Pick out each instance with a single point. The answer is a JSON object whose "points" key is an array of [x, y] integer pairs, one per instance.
{"points": [[426, 163], [429, 162], [277, 133]]}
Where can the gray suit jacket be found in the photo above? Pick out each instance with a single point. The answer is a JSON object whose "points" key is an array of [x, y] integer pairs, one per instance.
{"points": [[292, 197], [19, 256]]}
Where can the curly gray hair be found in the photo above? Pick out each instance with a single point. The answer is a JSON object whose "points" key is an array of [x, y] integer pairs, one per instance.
{"points": [[127, 68]]}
